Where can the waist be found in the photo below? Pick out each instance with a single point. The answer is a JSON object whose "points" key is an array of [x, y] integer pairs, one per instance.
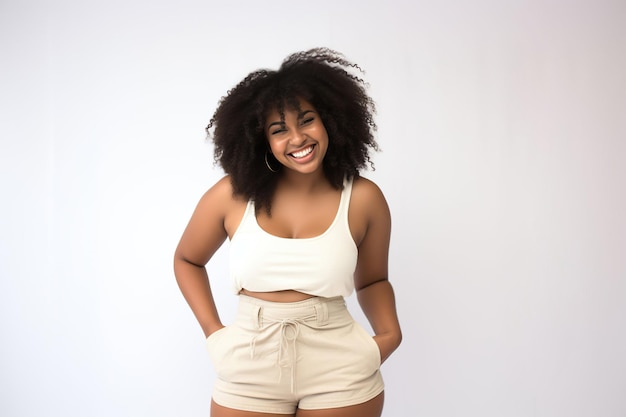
{"points": [[284, 296], [318, 309]]}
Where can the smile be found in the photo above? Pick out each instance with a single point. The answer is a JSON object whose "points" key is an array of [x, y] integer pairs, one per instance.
{"points": [[302, 153]]}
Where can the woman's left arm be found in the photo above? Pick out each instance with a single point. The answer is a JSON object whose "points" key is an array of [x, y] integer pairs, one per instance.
{"points": [[374, 291]]}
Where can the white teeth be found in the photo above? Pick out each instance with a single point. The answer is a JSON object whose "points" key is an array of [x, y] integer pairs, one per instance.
{"points": [[303, 152]]}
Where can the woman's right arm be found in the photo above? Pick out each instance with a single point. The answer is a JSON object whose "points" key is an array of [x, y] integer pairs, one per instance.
{"points": [[202, 237]]}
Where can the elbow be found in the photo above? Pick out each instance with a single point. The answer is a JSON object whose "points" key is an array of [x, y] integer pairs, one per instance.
{"points": [[360, 288], [398, 338]]}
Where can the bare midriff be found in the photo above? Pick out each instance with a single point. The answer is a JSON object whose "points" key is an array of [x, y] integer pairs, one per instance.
{"points": [[287, 296]]}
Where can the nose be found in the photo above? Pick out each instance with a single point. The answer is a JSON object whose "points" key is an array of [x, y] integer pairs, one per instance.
{"points": [[297, 137]]}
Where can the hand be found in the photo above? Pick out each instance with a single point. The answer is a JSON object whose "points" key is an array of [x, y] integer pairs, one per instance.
{"points": [[387, 343]]}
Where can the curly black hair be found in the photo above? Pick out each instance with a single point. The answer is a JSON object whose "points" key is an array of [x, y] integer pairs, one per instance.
{"points": [[320, 76]]}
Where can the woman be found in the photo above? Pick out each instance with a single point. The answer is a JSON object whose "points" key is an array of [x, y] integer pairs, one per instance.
{"points": [[305, 230]]}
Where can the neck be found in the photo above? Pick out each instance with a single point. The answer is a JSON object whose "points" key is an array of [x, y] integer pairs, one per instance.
{"points": [[307, 183]]}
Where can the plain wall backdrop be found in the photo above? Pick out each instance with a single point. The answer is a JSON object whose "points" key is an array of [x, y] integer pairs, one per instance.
{"points": [[502, 126]]}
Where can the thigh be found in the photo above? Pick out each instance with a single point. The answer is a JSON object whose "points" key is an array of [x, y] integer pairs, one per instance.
{"points": [[220, 411], [371, 408]]}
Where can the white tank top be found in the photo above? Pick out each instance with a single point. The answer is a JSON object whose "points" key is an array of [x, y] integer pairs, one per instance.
{"points": [[321, 266]]}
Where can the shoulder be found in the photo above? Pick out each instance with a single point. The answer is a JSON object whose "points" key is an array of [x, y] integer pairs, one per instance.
{"points": [[367, 195], [223, 187], [207, 229], [223, 190], [220, 197], [368, 211], [222, 203], [365, 185]]}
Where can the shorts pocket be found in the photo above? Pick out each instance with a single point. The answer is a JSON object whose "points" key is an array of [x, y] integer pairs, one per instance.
{"points": [[216, 348], [373, 349], [377, 352]]}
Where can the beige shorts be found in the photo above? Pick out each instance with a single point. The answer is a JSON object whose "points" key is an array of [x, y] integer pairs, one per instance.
{"points": [[277, 357]]}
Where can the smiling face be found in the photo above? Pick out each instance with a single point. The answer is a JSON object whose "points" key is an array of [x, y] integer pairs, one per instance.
{"points": [[299, 142]]}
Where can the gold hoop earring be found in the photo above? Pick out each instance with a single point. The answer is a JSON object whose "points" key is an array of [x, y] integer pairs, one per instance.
{"points": [[268, 164]]}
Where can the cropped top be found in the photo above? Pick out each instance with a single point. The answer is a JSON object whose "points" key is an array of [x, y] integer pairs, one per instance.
{"points": [[322, 266]]}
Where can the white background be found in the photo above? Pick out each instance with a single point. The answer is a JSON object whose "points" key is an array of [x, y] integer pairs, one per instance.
{"points": [[502, 125]]}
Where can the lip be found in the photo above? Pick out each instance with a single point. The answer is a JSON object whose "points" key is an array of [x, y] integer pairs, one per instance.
{"points": [[306, 158]]}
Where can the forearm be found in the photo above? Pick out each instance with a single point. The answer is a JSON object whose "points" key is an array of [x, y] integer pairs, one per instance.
{"points": [[379, 306], [193, 282]]}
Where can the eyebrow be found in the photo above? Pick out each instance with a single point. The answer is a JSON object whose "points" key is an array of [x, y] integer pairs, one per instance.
{"points": [[303, 113], [282, 122], [275, 123]]}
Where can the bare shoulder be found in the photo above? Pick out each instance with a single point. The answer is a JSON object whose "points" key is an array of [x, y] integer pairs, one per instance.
{"points": [[368, 211], [209, 224], [218, 201], [367, 196], [220, 196], [221, 201], [221, 189]]}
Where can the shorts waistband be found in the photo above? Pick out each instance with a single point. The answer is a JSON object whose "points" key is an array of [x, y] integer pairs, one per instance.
{"points": [[317, 309]]}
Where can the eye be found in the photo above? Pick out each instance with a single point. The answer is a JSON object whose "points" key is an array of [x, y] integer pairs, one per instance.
{"points": [[307, 120], [278, 130]]}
